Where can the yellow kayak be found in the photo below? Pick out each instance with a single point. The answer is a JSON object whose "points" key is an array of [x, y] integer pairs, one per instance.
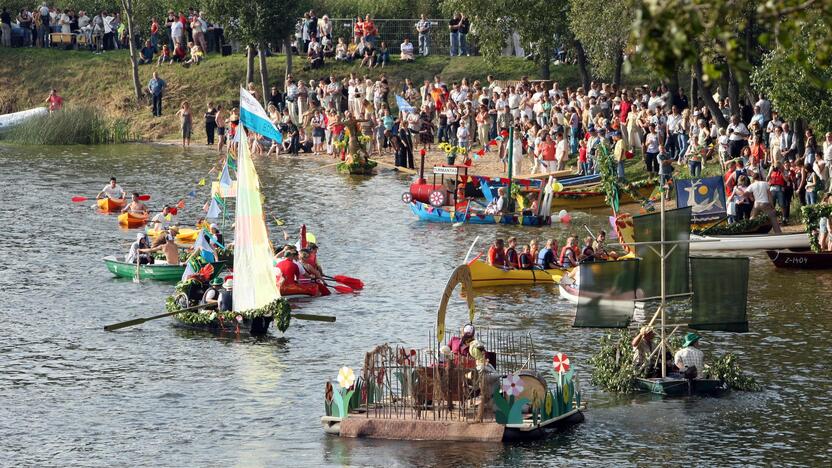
{"points": [[484, 275], [185, 236]]}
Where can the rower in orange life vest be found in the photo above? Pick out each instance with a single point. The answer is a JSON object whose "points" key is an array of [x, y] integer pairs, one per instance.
{"points": [[568, 255], [497, 255]]}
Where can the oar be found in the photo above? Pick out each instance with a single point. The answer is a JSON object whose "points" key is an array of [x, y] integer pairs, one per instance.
{"points": [[136, 278], [353, 283], [140, 321], [464, 217], [339, 288], [326, 165], [79, 199], [315, 318]]}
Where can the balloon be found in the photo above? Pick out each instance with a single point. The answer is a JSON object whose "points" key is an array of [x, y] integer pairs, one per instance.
{"points": [[566, 218], [311, 238], [555, 218], [562, 213], [557, 187]]}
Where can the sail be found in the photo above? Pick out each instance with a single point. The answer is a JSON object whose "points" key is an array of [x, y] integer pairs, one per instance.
{"points": [[720, 293], [647, 228], [254, 279], [607, 293]]}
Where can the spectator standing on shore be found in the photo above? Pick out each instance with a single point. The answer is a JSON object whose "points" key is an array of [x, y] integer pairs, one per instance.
{"points": [[464, 27], [6, 27], [154, 32], [24, 20], [219, 121], [453, 26], [177, 32], [45, 20], [423, 28], [210, 123], [370, 31], [54, 101], [186, 122], [156, 86]]}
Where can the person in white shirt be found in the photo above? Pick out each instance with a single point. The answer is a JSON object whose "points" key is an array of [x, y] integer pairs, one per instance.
{"points": [[737, 137], [765, 107], [690, 360], [112, 190], [407, 51], [761, 192], [176, 32], [562, 152], [462, 134]]}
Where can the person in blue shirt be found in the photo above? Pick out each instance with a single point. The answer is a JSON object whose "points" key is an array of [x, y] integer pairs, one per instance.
{"points": [[156, 86], [147, 53], [547, 259]]}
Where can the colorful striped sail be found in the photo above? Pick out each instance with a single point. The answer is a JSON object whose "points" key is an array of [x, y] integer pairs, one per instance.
{"points": [[254, 279]]}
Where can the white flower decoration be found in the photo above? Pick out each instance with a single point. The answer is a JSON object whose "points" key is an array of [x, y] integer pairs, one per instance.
{"points": [[346, 377]]}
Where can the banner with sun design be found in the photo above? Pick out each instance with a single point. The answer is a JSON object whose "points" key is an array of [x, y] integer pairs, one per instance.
{"points": [[705, 196]]}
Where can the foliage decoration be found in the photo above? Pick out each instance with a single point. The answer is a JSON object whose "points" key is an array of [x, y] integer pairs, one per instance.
{"points": [[726, 369], [811, 216], [746, 226], [613, 368]]}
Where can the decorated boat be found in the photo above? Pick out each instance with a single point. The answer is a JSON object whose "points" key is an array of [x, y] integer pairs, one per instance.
{"points": [[750, 242], [478, 385], [484, 275], [433, 214], [591, 199], [804, 260], [159, 271], [110, 205], [132, 220]]}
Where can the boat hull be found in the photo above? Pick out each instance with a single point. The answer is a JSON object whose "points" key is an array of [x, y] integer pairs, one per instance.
{"points": [[160, 272], [484, 275], [584, 200], [17, 118], [750, 242], [132, 220], [110, 205], [430, 214], [252, 327], [801, 260], [671, 386]]}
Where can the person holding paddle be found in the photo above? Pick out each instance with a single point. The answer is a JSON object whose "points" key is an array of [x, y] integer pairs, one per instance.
{"points": [[140, 251], [135, 206], [112, 191]]}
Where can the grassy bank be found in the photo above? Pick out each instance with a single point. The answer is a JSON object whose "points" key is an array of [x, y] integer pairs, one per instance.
{"points": [[104, 82]]}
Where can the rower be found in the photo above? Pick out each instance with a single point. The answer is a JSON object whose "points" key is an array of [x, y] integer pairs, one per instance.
{"points": [[212, 294], [546, 258], [643, 347], [288, 268], [588, 252], [525, 259], [310, 268], [512, 258], [139, 251], [215, 231], [135, 206], [169, 247], [600, 248], [497, 205], [161, 220], [226, 298], [497, 255], [112, 191], [568, 258], [690, 359], [313, 257]]}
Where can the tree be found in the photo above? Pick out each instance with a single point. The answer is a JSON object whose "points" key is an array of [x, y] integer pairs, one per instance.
{"points": [[538, 22], [602, 27]]}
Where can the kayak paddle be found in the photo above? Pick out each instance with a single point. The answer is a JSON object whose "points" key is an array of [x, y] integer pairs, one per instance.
{"points": [[341, 289], [81, 199], [353, 283]]}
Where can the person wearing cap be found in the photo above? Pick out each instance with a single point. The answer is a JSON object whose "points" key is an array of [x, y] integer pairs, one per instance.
{"points": [[460, 345], [162, 220], [212, 294], [225, 299], [215, 231], [690, 360], [139, 251], [618, 151], [643, 347]]}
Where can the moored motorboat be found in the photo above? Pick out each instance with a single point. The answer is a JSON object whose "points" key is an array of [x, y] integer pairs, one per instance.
{"points": [[110, 205], [484, 275], [158, 271], [590, 199], [433, 214], [749, 242], [807, 260], [132, 220]]}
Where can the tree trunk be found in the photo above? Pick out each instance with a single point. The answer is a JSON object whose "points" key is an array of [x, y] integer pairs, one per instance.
{"points": [[619, 65], [127, 6], [287, 49], [264, 74], [707, 96], [582, 63], [733, 92], [249, 64], [694, 91], [545, 60]]}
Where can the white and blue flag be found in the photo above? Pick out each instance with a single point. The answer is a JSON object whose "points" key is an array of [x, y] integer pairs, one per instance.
{"points": [[254, 117]]}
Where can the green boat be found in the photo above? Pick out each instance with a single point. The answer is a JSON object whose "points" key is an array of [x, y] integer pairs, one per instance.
{"points": [[158, 272], [678, 386]]}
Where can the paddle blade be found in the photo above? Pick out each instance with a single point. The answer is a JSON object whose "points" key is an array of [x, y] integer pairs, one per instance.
{"points": [[341, 289], [181, 204], [354, 283], [315, 318], [126, 324], [79, 199], [144, 197]]}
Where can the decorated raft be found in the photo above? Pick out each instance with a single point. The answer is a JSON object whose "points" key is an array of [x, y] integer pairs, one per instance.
{"points": [[479, 385]]}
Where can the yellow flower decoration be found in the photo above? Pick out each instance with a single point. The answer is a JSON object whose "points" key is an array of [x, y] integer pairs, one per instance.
{"points": [[346, 377], [548, 402], [566, 395]]}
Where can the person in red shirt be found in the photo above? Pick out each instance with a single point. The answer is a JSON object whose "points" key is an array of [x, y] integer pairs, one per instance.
{"points": [[55, 102], [497, 255], [154, 32], [370, 31], [289, 269]]}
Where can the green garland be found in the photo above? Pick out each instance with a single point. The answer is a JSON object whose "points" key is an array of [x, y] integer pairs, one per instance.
{"points": [[746, 226], [726, 369], [356, 167], [613, 369], [811, 216], [278, 308], [611, 187]]}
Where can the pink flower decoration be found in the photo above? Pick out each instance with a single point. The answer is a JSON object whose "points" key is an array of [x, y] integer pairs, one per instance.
{"points": [[512, 385]]}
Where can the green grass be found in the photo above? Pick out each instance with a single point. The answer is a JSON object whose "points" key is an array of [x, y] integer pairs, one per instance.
{"points": [[104, 81], [74, 125]]}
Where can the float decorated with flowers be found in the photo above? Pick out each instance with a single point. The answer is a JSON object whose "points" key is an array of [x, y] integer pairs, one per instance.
{"points": [[474, 385]]}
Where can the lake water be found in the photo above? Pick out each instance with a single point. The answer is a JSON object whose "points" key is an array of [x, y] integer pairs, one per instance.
{"points": [[74, 395]]}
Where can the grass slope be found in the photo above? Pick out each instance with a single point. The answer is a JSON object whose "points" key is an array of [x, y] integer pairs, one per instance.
{"points": [[104, 80]]}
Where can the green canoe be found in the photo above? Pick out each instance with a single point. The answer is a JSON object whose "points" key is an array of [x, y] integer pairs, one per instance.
{"points": [[158, 272]]}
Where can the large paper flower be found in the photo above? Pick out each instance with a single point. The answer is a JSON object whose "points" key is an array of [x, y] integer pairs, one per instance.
{"points": [[512, 385], [346, 377]]}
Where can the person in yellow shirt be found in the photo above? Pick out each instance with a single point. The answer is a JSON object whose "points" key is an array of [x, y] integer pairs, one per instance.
{"points": [[618, 153]]}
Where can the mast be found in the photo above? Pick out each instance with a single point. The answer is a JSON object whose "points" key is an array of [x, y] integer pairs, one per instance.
{"points": [[662, 283]]}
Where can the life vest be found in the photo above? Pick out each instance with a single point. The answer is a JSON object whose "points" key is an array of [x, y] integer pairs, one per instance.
{"points": [[226, 301], [564, 258], [496, 257], [525, 261], [512, 258]]}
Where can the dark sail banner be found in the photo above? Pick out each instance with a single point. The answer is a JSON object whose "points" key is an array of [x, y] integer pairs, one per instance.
{"points": [[606, 294], [647, 228], [720, 293]]}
